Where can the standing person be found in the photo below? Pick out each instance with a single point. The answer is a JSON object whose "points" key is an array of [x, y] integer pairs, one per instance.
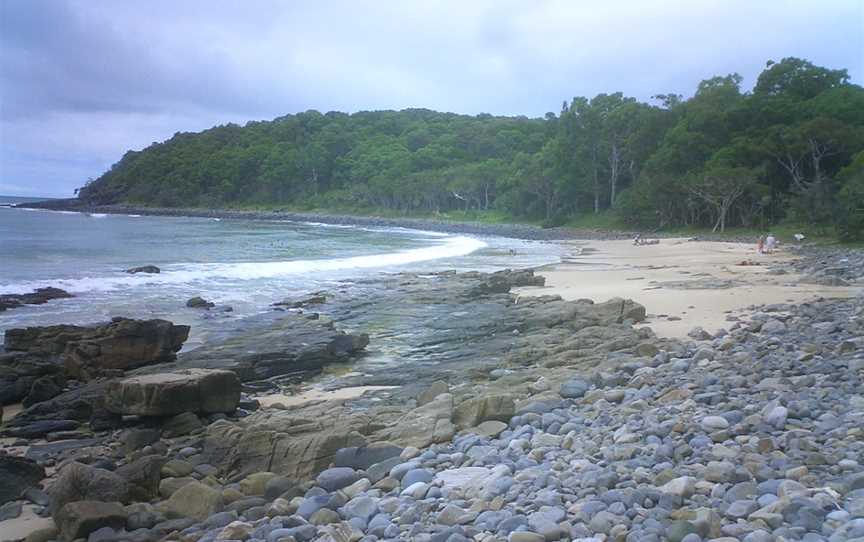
{"points": [[770, 243], [760, 244]]}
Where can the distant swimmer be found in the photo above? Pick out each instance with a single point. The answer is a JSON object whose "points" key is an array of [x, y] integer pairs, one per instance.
{"points": [[512, 251]]}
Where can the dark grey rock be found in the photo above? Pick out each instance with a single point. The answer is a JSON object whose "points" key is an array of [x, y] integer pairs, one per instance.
{"points": [[18, 474], [336, 478]]}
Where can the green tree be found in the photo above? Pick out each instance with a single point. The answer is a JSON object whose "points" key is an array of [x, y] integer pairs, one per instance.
{"points": [[799, 78]]}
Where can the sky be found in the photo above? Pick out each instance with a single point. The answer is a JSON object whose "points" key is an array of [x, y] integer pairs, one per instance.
{"points": [[82, 82]]}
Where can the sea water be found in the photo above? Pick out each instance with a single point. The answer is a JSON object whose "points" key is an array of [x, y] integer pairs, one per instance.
{"points": [[244, 264]]}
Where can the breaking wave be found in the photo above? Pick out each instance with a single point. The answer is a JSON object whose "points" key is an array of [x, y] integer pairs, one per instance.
{"points": [[175, 274]]}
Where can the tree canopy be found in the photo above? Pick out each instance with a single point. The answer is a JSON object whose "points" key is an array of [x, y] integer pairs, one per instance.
{"points": [[789, 149]]}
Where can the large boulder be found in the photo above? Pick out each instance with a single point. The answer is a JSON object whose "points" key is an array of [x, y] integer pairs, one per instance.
{"points": [[617, 310], [20, 370], [277, 442], [17, 474], [428, 395], [470, 413], [423, 426], [194, 500], [44, 388], [501, 282], [202, 391], [80, 404], [143, 476], [80, 482], [78, 519], [87, 351], [198, 302]]}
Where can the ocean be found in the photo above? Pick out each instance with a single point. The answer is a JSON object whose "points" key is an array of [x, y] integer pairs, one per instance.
{"points": [[244, 264]]}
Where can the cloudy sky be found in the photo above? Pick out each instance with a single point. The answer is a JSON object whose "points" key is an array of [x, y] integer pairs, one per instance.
{"points": [[83, 81]]}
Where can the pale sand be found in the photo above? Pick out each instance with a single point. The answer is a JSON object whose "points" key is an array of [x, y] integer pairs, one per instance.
{"points": [[315, 395], [610, 269], [23, 525], [10, 411]]}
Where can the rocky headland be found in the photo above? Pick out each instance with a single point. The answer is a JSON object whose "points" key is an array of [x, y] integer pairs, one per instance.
{"points": [[513, 418]]}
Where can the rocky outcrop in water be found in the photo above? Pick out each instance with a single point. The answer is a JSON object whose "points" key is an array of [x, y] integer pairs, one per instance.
{"points": [[89, 351], [317, 298], [292, 344], [149, 269], [199, 303], [37, 297]]}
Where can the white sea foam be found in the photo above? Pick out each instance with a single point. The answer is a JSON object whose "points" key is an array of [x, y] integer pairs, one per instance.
{"points": [[36, 210], [179, 274], [376, 229]]}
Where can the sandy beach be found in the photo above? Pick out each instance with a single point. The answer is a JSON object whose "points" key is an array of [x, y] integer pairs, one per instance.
{"points": [[682, 283]]}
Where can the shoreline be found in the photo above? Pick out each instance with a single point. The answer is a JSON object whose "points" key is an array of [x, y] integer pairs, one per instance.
{"points": [[510, 230], [516, 231]]}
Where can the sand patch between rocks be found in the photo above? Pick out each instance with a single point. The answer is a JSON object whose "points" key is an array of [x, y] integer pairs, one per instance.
{"points": [[315, 395], [23, 525]]}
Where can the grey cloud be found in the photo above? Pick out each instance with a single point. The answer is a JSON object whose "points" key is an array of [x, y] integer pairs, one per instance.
{"points": [[81, 81]]}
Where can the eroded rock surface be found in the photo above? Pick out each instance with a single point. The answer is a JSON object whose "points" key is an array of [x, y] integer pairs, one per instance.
{"points": [[203, 391], [88, 351], [292, 344]]}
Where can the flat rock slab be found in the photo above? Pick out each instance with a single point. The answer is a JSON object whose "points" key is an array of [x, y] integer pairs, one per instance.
{"points": [[203, 391], [41, 452], [292, 344]]}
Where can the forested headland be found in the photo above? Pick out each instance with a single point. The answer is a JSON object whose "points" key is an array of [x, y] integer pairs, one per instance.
{"points": [[789, 150]]}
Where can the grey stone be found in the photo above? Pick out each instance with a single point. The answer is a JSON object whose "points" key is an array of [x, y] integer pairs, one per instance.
{"points": [[336, 478]]}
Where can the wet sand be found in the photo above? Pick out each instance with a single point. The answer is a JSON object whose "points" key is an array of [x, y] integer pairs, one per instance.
{"points": [[700, 282], [23, 525], [316, 395]]}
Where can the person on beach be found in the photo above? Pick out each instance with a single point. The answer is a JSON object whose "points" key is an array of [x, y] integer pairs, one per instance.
{"points": [[770, 243], [760, 245]]}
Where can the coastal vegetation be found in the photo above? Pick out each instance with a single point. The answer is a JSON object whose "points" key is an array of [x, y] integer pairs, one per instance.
{"points": [[791, 149]]}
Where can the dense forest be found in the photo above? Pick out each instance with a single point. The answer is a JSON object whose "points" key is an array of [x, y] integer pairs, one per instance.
{"points": [[791, 149]]}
